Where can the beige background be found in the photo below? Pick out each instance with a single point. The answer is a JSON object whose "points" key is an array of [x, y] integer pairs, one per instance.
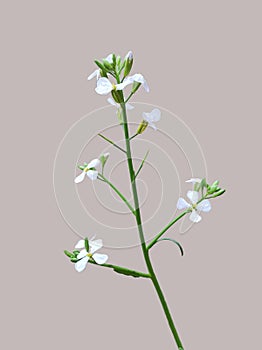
{"points": [[203, 62]]}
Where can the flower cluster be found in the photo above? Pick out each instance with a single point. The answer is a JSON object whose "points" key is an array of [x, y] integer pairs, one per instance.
{"points": [[112, 65], [89, 169], [87, 253], [199, 198]]}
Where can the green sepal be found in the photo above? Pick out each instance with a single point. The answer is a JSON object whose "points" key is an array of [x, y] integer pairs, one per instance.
{"points": [[197, 186], [74, 260], [118, 61], [70, 255], [87, 244], [128, 64], [123, 271], [142, 127], [114, 60], [103, 159], [81, 167], [119, 116], [135, 87], [117, 96]]}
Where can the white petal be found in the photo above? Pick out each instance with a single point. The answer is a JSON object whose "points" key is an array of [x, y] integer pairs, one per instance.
{"points": [[93, 164], [205, 206], [182, 204], [195, 217], [96, 74], [193, 196], [194, 180], [95, 245], [152, 125], [92, 174], [145, 86], [112, 101], [80, 244], [153, 116], [129, 106], [80, 177], [81, 264], [127, 81], [109, 58], [82, 254], [103, 86], [100, 258]]}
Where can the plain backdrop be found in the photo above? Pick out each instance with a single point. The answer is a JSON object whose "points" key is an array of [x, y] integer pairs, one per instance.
{"points": [[203, 62]]}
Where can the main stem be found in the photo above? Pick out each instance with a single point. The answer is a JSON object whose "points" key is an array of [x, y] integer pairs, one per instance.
{"points": [[141, 234]]}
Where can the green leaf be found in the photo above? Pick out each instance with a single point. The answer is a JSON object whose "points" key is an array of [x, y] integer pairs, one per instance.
{"points": [[126, 272], [174, 241], [142, 163]]}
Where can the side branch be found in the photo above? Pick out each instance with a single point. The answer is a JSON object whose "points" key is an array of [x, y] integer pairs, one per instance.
{"points": [[123, 270], [154, 241]]}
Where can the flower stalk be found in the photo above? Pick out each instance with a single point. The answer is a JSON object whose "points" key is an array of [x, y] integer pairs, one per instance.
{"points": [[113, 66]]}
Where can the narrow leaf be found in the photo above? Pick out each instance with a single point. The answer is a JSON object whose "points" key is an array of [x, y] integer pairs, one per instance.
{"points": [[142, 163], [174, 241], [126, 272]]}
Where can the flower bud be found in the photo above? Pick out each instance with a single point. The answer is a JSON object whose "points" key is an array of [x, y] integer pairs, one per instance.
{"points": [[128, 63], [70, 255], [142, 127], [103, 159], [107, 65], [219, 193], [76, 252]]}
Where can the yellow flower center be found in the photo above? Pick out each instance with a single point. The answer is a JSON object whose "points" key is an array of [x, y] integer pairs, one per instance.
{"points": [[89, 255]]}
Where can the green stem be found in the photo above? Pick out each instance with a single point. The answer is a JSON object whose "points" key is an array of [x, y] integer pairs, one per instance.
{"points": [[122, 270], [141, 234], [112, 143], [133, 136], [153, 242], [117, 192]]}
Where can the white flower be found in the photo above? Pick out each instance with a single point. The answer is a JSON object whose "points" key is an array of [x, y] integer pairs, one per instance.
{"points": [[152, 117], [104, 86], [89, 171], [113, 103], [194, 180], [134, 78], [85, 255], [193, 196]]}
